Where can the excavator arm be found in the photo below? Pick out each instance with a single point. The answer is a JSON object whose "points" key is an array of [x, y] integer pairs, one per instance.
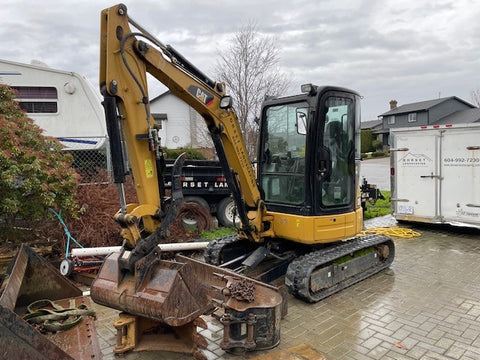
{"points": [[151, 290], [126, 57]]}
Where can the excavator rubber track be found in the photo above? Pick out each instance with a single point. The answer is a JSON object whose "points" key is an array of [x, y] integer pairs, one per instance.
{"points": [[222, 250], [316, 275]]}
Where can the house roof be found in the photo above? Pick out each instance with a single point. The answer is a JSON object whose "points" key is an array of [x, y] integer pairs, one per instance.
{"points": [[160, 96], [422, 106], [371, 124], [461, 117]]}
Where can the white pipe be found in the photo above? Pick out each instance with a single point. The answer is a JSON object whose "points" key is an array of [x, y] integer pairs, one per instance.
{"points": [[95, 251], [183, 246], [102, 251]]}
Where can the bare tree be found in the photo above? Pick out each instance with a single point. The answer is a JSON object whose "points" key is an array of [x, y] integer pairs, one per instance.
{"points": [[249, 67], [199, 135], [475, 95]]}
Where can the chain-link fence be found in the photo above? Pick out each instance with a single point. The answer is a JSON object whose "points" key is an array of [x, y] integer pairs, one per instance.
{"points": [[91, 157]]}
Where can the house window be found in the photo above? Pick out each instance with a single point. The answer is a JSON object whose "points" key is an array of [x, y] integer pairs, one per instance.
{"points": [[391, 120], [38, 107], [412, 117], [159, 119], [37, 99]]}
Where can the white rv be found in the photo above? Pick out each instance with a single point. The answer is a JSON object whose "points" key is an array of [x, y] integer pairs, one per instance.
{"points": [[435, 174], [64, 104]]}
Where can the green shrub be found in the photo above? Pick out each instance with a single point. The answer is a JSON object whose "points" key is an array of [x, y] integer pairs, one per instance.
{"points": [[366, 141], [34, 173], [218, 233], [377, 144], [192, 154]]}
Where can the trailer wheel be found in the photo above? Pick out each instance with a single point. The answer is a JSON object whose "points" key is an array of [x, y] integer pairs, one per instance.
{"points": [[197, 200], [226, 212]]}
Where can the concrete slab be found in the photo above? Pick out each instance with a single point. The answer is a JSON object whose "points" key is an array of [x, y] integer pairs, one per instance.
{"points": [[380, 221], [376, 171], [425, 306]]}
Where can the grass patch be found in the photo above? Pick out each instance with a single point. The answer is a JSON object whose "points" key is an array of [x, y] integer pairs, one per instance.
{"points": [[218, 233], [380, 208]]}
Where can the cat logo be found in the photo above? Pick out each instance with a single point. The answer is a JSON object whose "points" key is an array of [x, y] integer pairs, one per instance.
{"points": [[204, 97]]}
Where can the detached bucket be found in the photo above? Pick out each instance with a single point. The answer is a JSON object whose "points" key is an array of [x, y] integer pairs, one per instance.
{"points": [[31, 278]]}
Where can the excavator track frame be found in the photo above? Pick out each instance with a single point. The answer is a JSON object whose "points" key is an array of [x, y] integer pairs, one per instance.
{"points": [[313, 275], [310, 270]]}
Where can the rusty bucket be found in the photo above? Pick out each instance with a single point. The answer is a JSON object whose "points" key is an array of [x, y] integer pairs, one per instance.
{"points": [[31, 278]]}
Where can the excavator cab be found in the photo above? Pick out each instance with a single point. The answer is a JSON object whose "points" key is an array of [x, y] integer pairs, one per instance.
{"points": [[309, 153], [308, 150]]}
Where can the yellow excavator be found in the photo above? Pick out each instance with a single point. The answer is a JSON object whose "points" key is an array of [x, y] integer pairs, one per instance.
{"points": [[300, 214]]}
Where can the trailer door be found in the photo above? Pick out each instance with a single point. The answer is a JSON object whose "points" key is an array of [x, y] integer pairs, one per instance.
{"points": [[416, 180], [460, 159]]}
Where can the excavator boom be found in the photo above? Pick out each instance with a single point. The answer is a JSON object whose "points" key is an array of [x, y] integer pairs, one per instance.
{"points": [[126, 57]]}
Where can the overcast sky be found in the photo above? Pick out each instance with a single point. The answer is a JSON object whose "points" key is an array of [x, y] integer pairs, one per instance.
{"points": [[408, 50]]}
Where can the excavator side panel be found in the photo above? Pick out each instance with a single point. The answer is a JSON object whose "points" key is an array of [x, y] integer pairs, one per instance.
{"points": [[316, 229]]}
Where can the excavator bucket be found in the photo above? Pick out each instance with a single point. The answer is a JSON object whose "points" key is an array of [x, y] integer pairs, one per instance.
{"points": [[19, 340], [168, 297], [158, 290], [31, 278]]}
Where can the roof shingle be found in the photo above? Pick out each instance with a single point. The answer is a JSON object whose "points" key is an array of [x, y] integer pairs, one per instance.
{"points": [[421, 106]]}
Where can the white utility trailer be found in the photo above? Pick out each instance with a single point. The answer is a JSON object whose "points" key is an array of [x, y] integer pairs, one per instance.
{"points": [[435, 174], [64, 104]]}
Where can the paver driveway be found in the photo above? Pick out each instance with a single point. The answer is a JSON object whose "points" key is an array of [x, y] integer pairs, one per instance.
{"points": [[425, 306]]}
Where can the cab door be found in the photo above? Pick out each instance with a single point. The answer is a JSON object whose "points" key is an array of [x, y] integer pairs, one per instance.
{"points": [[335, 176]]}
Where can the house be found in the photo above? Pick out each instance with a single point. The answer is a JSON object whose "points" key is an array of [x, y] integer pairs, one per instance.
{"points": [[180, 125], [447, 110], [373, 125]]}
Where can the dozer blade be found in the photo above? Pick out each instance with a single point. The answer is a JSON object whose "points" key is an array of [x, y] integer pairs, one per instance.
{"points": [[31, 278]]}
